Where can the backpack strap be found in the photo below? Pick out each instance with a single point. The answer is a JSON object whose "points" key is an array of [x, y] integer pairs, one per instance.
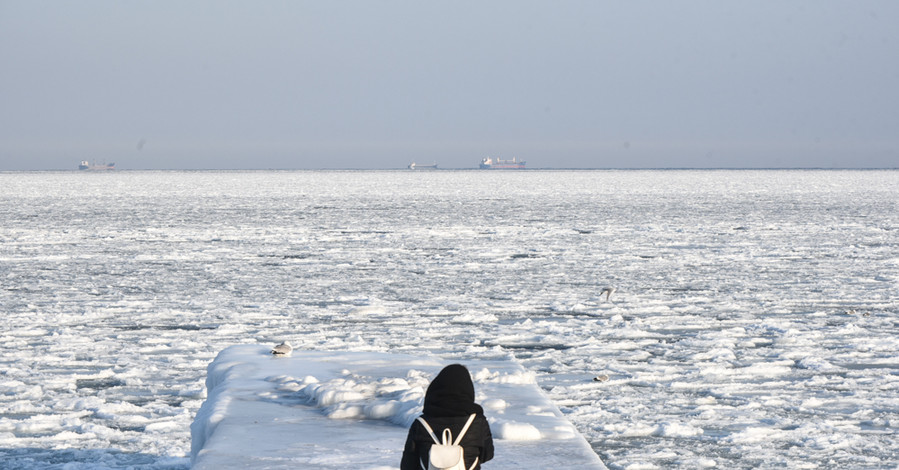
{"points": [[428, 428], [434, 436], [464, 430]]}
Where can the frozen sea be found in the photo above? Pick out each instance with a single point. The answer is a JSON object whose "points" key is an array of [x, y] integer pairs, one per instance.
{"points": [[755, 321]]}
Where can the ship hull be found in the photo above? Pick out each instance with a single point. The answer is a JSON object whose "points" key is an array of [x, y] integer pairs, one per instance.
{"points": [[417, 166], [85, 166], [490, 163], [516, 166]]}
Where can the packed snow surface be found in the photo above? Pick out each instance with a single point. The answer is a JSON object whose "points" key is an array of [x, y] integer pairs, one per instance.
{"points": [[753, 322], [353, 410]]}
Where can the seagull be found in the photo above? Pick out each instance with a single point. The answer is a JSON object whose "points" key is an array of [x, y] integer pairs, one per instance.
{"points": [[282, 349], [608, 291]]}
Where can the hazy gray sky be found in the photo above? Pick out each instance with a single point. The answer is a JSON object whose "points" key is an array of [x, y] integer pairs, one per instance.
{"points": [[379, 84]]}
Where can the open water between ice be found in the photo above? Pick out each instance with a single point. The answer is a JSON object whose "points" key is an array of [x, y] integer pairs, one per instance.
{"points": [[754, 322]]}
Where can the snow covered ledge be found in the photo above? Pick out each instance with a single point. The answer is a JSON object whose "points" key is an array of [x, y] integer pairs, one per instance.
{"points": [[353, 409]]}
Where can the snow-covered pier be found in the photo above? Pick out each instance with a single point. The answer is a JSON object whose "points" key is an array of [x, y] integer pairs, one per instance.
{"points": [[352, 410]]}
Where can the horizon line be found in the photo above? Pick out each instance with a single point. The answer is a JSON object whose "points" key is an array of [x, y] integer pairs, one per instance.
{"points": [[493, 170]]}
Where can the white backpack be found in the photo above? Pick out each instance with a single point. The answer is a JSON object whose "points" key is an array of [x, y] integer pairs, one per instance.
{"points": [[447, 455]]}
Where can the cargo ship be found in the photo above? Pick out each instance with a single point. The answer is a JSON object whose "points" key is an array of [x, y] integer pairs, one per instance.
{"points": [[417, 166], [500, 164], [86, 165]]}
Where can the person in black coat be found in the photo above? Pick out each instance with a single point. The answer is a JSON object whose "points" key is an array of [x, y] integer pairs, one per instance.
{"points": [[449, 402]]}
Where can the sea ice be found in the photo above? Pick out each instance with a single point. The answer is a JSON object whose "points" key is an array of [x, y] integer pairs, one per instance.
{"points": [[731, 314]]}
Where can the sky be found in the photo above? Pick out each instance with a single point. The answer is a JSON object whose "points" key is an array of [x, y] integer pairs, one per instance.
{"points": [[379, 84]]}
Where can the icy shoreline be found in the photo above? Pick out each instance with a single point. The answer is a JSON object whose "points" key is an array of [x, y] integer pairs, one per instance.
{"points": [[352, 410]]}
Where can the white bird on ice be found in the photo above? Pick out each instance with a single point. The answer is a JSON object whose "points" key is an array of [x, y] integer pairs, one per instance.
{"points": [[282, 349], [608, 291]]}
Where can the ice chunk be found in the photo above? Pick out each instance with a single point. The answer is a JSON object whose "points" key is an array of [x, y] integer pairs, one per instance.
{"points": [[515, 431]]}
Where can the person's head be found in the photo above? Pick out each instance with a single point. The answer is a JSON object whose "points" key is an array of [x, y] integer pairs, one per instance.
{"points": [[451, 393]]}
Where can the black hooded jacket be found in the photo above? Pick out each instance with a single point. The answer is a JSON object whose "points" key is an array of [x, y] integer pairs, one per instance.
{"points": [[449, 402]]}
